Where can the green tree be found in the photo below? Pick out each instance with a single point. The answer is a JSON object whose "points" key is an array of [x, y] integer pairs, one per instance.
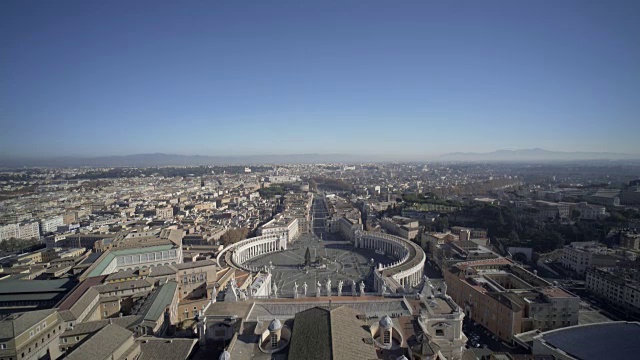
{"points": [[232, 236], [14, 244], [575, 214], [442, 223]]}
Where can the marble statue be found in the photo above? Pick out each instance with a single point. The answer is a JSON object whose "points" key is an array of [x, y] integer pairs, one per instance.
{"points": [[384, 288], [318, 289], [304, 287], [340, 283], [361, 288], [295, 290], [353, 287], [328, 285], [274, 287]]}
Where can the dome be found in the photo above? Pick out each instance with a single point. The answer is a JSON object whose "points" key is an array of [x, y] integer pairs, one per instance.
{"points": [[424, 346], [225, 355], [385, 322], [402, 358], [275, 325]]}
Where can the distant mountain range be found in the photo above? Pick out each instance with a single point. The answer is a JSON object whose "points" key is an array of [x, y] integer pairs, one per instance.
{"points": [[159, 159], [536, 154]]}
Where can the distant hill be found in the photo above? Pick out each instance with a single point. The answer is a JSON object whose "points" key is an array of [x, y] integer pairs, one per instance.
{"points": [[159, 159], [536, 154]]}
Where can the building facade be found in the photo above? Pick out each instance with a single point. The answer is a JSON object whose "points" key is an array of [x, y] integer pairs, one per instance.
{"points": [[616, 289], [579, 256]]}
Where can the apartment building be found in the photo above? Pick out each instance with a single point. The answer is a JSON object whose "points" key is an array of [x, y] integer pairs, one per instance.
{"points": [[630, 241], [345, 227], [474, 233], [70, 217], [507, 299], [71, 338], [195, 279], [608, 197], [547, 209], [589, 211], [36, 257], [164, 212], [51, 224], [8, 231], [159, 310], [579, 256], [283, 226], [27, 230], [552, 308], [282, 179], [87, 241], [432, 240], [31, 335], [452, 252], [621, 289], [139, 250], [401, 226], [298, 206], [110, 342]]}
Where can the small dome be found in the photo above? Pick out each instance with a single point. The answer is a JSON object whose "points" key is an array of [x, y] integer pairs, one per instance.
{"points": [[225, 355], [385, 322], [275, 325]]}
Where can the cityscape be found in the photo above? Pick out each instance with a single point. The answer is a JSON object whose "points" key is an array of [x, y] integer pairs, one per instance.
{"points": [[249, 182]]}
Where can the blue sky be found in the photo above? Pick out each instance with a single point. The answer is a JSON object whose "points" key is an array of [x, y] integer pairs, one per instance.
{"points": [[401, 78]]}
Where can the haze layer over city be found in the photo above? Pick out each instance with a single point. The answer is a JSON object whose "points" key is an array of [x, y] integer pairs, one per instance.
{"points": [[319, 180]]}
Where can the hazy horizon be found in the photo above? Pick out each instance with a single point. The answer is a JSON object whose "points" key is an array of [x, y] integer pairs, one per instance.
{"points": [[293, 153], [405, 80], [162, 159]]}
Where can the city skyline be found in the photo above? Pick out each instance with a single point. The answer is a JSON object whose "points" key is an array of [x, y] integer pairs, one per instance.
{"points": [[411, 81], [535, 155]]}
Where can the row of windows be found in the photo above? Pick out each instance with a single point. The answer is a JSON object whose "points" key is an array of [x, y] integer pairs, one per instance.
{"points": [[41, 340], [31, 333], [65, 340], [194, 278], [135, 259]]}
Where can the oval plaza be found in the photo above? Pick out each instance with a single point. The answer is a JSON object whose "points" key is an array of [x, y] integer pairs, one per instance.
{"points": [[343, 259]]}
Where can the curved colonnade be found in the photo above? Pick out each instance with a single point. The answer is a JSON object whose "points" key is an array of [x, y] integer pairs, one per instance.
{"points": [[401, 275], [235, 255]]}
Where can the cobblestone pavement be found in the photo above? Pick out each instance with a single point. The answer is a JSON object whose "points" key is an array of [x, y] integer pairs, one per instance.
{"points": [[335, 259]]}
